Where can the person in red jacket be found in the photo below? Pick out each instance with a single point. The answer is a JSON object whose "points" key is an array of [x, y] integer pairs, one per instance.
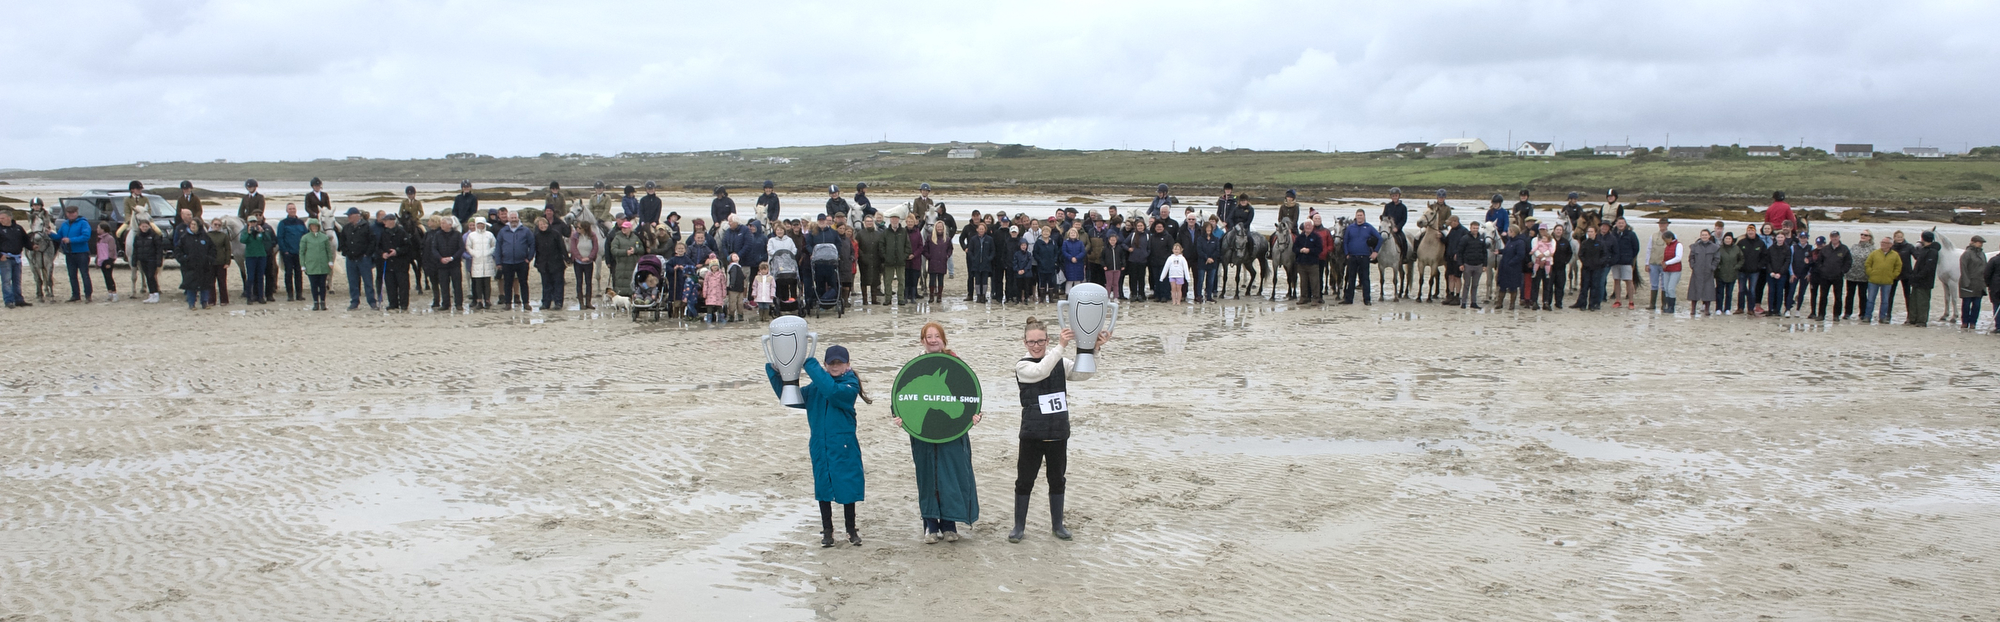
{"points": [[1779, 214]]}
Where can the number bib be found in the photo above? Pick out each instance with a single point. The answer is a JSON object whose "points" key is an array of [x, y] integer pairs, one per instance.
{"points": [[1053, 403]]}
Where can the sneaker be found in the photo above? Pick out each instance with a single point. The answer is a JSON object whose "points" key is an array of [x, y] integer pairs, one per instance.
{"points": [[930, 537], [951, 536]]}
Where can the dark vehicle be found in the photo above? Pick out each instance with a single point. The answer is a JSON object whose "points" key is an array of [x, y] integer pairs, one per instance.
{"points": [[109, 206]]}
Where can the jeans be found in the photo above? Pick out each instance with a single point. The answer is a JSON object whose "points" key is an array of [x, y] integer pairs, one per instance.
{"points": [[512, 275], [1752, 288], [1602, 289], [77, 264], [1725, 295], [1468, 295], [1669, 282], [359, 277], [1157, 273], [1210, 276], [10, 279], [1357, 269], [1884, 295], [1778, 300], [294, 277], [1968, 308], [253, 281], [1655, 273]]}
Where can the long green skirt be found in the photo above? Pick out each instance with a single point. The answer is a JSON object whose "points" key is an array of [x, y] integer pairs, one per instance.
{"points": [[945, 486]]}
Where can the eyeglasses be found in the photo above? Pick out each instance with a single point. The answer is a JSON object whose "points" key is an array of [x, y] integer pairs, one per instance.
{"points": [[1037, 342]]}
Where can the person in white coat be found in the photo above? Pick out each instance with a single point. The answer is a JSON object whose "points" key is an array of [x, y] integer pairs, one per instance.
{"points": [[1176, 272], [479, 247]]}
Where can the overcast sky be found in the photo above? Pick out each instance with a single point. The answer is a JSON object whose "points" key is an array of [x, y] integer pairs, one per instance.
{"points": [[107, 81]]}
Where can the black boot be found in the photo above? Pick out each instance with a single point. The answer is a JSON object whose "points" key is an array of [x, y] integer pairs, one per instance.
{"points": [[826, 539], [1055, 517], [1020, 518]]}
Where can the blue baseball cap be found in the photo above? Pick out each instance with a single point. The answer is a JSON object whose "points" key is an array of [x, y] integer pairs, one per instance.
{"points": [[836, 354]]}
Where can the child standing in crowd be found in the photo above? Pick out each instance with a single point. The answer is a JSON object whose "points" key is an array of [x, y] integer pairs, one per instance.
{"points": [[714, 290], [739, 280], [107, 255], [1024, 269], [764, 291], [1177, 272]]}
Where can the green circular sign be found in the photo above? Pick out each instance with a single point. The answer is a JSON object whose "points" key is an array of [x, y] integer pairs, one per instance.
{"points": [[936, 396]]}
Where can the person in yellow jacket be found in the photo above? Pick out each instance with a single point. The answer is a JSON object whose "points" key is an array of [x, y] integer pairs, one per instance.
{"points": [[1883, 267]]}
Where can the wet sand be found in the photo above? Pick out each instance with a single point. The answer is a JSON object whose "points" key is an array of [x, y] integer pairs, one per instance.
{"points": [[1244, 460]]}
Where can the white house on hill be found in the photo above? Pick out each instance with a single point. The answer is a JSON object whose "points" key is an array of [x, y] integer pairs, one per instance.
{"points": [[1612, 150], [1764, 151], [1456, 146], [1923, 152], [1532, 149]]}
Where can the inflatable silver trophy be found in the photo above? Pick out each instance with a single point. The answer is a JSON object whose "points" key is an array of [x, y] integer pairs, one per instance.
{"points": [[1087, 312], [786, 349]]}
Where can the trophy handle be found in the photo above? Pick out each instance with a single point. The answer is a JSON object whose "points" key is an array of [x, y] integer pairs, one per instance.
{"points": [[1062, 313], [812, 344], [765, 344], [1110, 319]]}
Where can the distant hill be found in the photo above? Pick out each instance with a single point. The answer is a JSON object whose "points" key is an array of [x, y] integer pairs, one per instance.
{"points": [[899, 167]]}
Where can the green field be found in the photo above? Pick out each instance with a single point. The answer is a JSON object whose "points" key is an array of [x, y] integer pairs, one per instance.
{"points": [[1899, 181]]}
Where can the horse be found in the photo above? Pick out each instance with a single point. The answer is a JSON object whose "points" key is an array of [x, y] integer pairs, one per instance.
{"points": [[1430, 263], [1491, 275], [42, 254], [1244, 251], [1389, 257], [1336, 269], [1282, 257], [1948, 275]]}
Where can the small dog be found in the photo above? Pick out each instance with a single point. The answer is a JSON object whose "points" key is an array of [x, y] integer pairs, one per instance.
{"points": [[618, 303]]}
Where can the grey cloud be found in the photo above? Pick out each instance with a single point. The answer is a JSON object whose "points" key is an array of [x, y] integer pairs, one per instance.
{"points": [[298, 80]]}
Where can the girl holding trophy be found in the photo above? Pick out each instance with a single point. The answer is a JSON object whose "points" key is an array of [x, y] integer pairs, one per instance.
{"points": [[1043, 378], [836, 456]]}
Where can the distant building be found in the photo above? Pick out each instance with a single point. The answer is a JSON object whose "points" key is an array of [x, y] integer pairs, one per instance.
{"points": [[1532, 149], [1612, 150], [962, 154], [1764, 151], [1857, 150], [1458, 146], [1692, 153], [1923, 152], [1412, 147], [1215, 150], [778, 160]]}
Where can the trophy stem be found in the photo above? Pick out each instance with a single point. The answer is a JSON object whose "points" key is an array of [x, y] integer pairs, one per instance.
{"points": [[1086, 361], [790, 395]]}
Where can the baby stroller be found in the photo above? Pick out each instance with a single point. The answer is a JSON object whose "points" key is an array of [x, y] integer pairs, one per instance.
{"points": [[826, 280], [654, 266], [785, 271]]}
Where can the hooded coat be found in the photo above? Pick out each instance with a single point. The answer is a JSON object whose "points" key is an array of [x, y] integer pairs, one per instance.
{"points": [[1702, 260], [836, 454]]}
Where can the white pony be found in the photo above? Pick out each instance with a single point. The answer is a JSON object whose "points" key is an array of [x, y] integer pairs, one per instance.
{"points": [[1948, 275]]}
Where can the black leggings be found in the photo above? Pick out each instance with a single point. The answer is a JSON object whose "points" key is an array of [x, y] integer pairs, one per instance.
{"points": [[826, 515], [1032, 453]]}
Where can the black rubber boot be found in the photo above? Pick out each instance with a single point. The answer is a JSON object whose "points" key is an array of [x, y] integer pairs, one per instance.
{"points": [[1055, 517], [1020, 518], [826, 539]]}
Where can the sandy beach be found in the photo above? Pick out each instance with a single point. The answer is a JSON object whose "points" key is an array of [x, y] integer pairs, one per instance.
{"points": [[1241, 460]]}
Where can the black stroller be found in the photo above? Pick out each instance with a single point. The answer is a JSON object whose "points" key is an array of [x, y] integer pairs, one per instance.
{"points": [[826, 281], [655, 266], [785, 271]]}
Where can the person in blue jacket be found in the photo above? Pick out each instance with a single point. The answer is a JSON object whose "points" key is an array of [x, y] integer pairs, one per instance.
{"points": [[75, 237], [836, 456]]}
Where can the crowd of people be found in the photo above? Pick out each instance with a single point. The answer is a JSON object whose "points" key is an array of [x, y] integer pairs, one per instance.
{"points": [[730, 265]]}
